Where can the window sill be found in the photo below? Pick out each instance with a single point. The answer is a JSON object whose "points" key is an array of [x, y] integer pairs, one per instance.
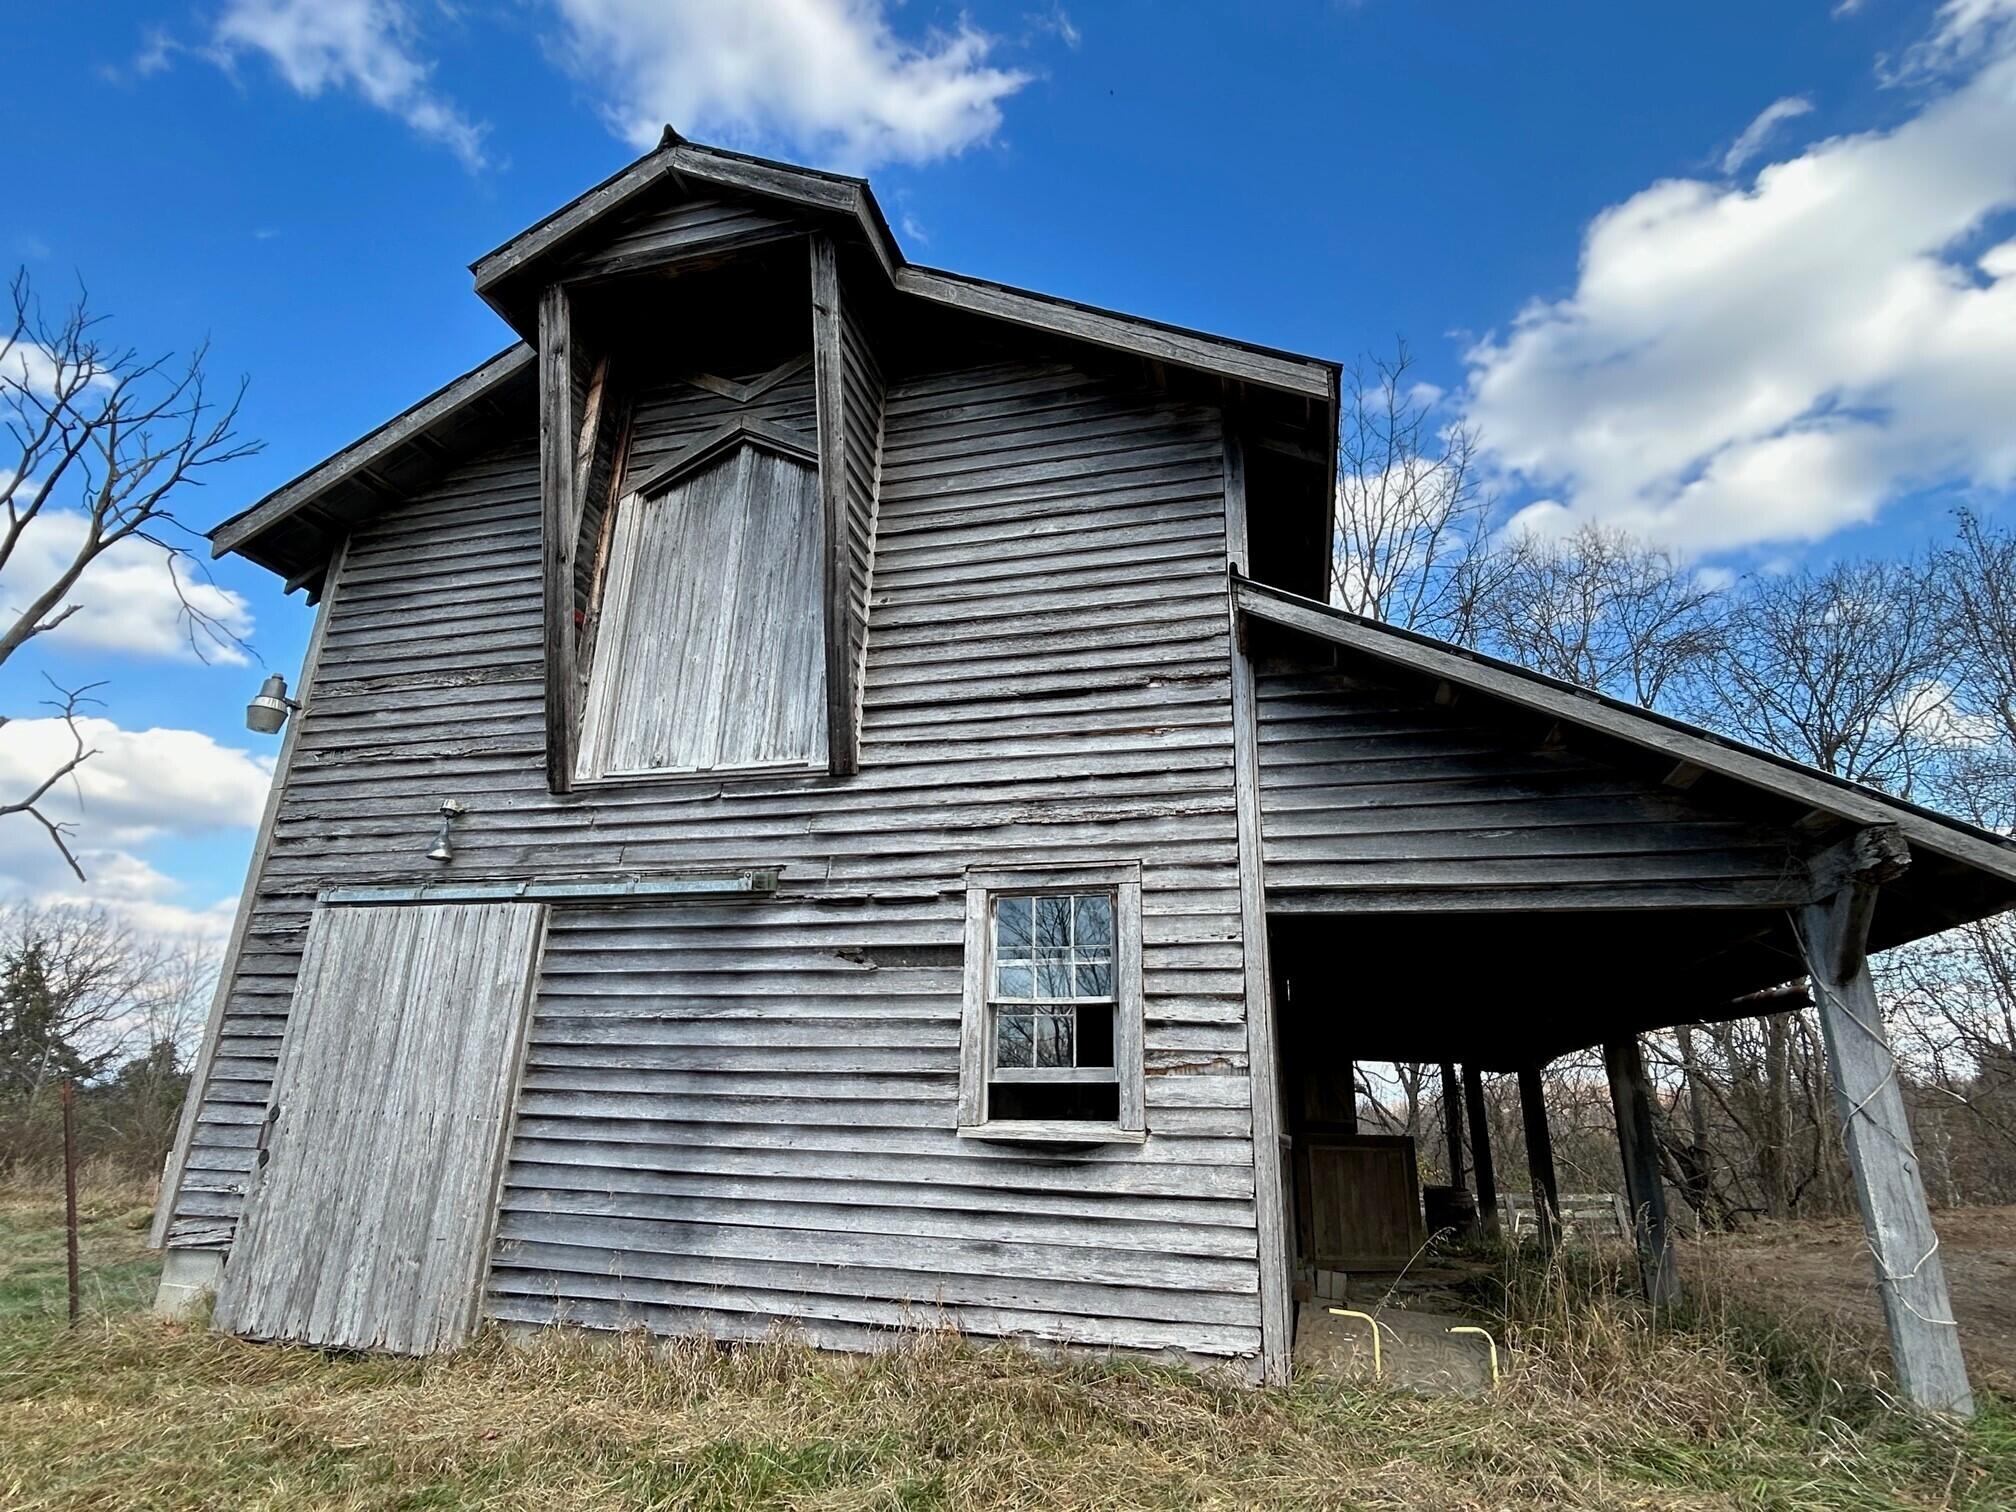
{"points": [[693, 779], [1054, 1133]]}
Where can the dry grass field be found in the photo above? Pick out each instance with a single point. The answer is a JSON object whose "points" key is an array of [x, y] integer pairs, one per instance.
{"points": [[1723, 1409]]}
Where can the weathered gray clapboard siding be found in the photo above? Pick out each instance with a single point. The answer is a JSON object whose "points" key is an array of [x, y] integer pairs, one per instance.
{"points": [[661, 232], [1368, 789], [736, 1112], [668, 415]]}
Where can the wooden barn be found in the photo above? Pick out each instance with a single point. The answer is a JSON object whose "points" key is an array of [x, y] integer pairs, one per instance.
{"points": [[825, 791]]}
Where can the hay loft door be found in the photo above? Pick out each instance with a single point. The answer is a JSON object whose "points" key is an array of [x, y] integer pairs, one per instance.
{"points": [[370, 1217]]}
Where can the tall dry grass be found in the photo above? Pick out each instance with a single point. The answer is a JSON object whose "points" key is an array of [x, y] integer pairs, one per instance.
{"points": [[1602, 1406]]}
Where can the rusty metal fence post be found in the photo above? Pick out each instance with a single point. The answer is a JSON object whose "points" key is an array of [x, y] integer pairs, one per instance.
{"points": [[70, 1192]]}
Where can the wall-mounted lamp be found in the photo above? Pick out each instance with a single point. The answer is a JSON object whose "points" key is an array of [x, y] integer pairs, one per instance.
{"points": [[267, 712], [450, 812]]}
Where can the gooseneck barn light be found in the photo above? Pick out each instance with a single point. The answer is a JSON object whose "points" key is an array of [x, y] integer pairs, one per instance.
{"points": [[269, 710], [450, 812]]}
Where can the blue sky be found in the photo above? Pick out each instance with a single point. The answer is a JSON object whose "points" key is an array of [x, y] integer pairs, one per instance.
{"points": [[1738, 276]]}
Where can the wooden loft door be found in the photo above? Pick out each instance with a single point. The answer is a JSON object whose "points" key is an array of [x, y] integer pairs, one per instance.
{"points": [[370, 1216]]}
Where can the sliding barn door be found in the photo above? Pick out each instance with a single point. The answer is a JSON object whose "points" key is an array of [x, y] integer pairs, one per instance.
{"points": [[368, 1222]]}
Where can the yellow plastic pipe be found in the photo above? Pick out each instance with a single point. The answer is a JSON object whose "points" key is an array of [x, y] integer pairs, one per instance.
{"points": [[1486, 1337], [1378, 1365]]}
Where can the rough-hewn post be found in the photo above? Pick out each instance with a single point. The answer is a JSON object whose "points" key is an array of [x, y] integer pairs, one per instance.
{"points": [[1452, 1123], [559, 519], [1833, 935], [829, 382], [1637, 1143], [1540, 1156], [1480, 1153]]}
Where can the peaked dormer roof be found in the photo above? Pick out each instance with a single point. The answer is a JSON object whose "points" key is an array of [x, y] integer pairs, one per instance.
{"points": [[737, 202], [506, 277]]}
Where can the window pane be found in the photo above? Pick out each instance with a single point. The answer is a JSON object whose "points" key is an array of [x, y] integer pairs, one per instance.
{"points": [[1053, 922], [1011, 981], [1096, 980], [1011, 929], [1014, 1040], [1053, 980], [1095, 1035], [1094, 934], [1054, 1039]]}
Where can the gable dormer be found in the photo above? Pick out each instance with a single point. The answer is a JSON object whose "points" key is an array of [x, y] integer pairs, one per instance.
{"points": [[710, 426]]}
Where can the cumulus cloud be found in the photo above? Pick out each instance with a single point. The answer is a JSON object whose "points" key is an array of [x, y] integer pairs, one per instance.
{"points": [[368, 47], [128, 599], [825, 78], [1760, 131], [141, 787], [1770, 363]]}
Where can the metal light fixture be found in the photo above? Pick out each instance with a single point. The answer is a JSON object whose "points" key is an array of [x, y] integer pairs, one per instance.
{"points": [[267, 712], [450, 812]]}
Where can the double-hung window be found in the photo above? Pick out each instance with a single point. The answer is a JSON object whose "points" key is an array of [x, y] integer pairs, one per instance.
{"points": [[1051, 1043]]}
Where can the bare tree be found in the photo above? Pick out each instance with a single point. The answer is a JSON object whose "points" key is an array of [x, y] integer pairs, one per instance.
{"points": [[1412, 525], [73, 984], [102, 434], [1842, 668], [1601, 608]]}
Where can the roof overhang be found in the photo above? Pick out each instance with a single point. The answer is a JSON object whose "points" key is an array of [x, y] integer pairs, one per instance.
{"points": [[1927, 830], [293, 530]]}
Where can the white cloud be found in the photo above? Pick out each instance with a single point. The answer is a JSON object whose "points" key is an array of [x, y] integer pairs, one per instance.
{"points": [[826, 79], [1740, 365], [1759, 131], [142, 786], [368, 46], [1962, 31], [127, 599], [29, 369], [126, 887]]}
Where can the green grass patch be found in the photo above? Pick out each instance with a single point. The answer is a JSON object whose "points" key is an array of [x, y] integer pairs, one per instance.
{"points": [[116, 1271]]}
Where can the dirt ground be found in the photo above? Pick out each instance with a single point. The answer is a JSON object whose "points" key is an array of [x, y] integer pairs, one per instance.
{"points": [[1824, 1269]]}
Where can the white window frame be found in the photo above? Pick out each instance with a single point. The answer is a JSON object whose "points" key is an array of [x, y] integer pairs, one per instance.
{"points": [[976, 1024]]}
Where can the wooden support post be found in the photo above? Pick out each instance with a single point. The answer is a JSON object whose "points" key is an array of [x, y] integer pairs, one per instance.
{"points": [[1452, 1123], [1638, 1144], [1348, 1098], [1480, 1153], [829, 383], [559, 521], [1910, 1278], [1540, 1156]]}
